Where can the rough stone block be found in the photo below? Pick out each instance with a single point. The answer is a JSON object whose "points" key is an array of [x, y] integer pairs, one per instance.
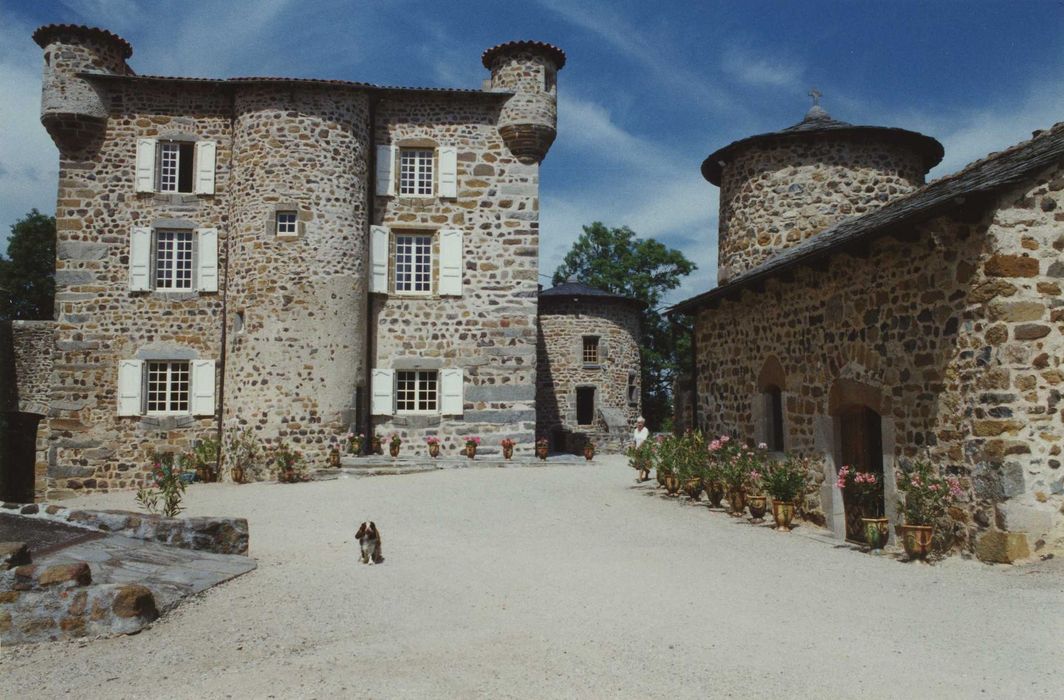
{"points": [[14, 554], [77, 574], [1030, 331], [1002, 547], [1011, 266], [134, 601]]}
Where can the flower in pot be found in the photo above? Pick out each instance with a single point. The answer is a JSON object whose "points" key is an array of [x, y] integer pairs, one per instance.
{"points": [[434, 446], [289, 464], [756, 501], [507, 447], [736, 463], [641, 459], [785, 481], [689, 460], [471, 444], [542, 447], [394, 443], [205, 458], [867, 491], [928, 497], [334, 456], [242, 452], [355, 442], [375, 445], [589, 450]]}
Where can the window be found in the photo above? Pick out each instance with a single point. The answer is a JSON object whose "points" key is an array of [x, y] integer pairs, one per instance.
{"points": [[633, 389], [168, 387], [415, 171], [286, 223], [591, 350], [416, 391], [173, 259], [773, 398], [174, 166], [413, 264]]}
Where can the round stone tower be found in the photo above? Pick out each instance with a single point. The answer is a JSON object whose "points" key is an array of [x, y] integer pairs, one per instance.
{"points": [[73, 109], [588, 367], [296, 299], [780, 188], [529, 119]]}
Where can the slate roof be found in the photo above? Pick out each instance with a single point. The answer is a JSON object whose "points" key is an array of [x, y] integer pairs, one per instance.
{"points": [[819, 124], [979, 179], [578, 290], [556, 54]]}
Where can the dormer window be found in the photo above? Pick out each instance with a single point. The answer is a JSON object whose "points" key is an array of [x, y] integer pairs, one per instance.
{"points": [[416, 172]]}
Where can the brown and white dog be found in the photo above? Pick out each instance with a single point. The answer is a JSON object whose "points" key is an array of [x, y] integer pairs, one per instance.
{"points": [[370, 538]]}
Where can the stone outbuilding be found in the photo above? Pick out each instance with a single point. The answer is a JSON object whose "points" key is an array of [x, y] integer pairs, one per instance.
{"points": [[588, 375], [865, 318]]}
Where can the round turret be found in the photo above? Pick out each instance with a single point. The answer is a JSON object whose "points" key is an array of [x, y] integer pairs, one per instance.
{"points": [[73, 109], [780, 188], [529, 120]]}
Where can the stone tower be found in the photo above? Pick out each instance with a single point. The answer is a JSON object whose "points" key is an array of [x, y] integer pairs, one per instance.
{"points": [[529, 120], [296, 299], [74, 110], [780, 188]]}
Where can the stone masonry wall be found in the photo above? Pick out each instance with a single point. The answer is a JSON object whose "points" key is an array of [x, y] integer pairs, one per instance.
{"points": [[561, 368], [777, 194], [34, 343], [98, 320], [490, 331], [958, 337]]}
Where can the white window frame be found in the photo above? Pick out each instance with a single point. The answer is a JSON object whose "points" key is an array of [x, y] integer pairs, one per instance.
{"points": [[418, 246], [420, 390], [417, 172], [170, 150], [158, 235], [286, 228], [594, 347], [171, 396]]}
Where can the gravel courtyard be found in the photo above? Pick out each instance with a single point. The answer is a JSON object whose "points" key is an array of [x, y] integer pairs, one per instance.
{"points": [[566, 581]]}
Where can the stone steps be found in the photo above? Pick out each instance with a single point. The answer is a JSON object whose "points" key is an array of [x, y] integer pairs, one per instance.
{"points": [[376, 465]]}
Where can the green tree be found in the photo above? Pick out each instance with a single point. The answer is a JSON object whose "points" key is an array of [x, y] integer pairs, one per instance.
{"points": [[617, 261], [27, 275]]}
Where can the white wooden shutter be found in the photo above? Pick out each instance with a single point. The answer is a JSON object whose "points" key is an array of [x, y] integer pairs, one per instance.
{"points": [[451, 261], [130, 374], [603, 350], [140, 259], [448, 172], [386, 170], [382, 385], [202, 403], [207, 250], [378, 253], [452, 386], [145, 165], [205, 152]]}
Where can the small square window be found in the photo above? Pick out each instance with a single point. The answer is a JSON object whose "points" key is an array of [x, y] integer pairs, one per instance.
{"points": [[416, 391], [174, 166], [591, 350], [416, 171], [287, 223], [413, 264], [168, 387], [173, 260]]}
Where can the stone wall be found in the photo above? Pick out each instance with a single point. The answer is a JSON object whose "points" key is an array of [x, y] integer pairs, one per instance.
{"points": [[33, 344], [563, 324], [779, 193], [490, 331], [954, 335]]}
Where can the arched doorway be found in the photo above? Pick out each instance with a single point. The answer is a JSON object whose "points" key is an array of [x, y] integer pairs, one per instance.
{"points": [[861, 447]]}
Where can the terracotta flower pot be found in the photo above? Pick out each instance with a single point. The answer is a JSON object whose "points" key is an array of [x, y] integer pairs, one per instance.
{"points": [[376, 445], [737, 501], [237, 475], [434, 450], [541, 451], [334, 458], [507, 452], [757, 506], [916, 539], [783, 514], [693, 488], [876, 532], [672, 484], [393, 450], [715, 493], [589, 453], [471, 451], [355, 447]]}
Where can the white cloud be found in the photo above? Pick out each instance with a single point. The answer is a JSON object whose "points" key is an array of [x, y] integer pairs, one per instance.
{"points": [[760, 70]]}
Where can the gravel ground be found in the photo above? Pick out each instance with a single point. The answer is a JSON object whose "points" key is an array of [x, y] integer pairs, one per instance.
{"points": [[568, 581]]}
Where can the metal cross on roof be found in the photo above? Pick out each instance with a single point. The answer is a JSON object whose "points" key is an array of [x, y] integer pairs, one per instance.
{"points": [[816, 95]]}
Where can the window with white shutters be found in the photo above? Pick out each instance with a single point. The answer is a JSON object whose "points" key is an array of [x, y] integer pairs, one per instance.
{"points": [[416, 391], [413, 264], [416, 172], [173, 260], [174, 166], [168, 385]]}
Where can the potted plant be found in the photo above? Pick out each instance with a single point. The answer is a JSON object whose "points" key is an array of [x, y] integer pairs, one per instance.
{"points": [[735, 469], [471, 443], [289, 464], [927, 499], [867, 491], [507, 448], [204, 459], [434, 446], [665, 463], [756, 501], [641, 459], [376, 445], [242, 450], [712, 476], [690, 458], [334, 457], [785, 481], [542, 447], [589, 450], [394, 443]]}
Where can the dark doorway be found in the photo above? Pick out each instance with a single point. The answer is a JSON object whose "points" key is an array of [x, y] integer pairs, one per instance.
{"points": [[861, 436], [585, 405], [774, 418], [18, 456]]}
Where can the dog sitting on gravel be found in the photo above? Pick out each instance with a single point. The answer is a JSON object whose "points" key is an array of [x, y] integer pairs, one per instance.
{"points": [[369, 537]]}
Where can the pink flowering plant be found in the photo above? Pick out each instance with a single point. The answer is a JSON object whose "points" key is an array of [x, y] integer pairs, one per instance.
{"points": [[736, 462], [928, 496], [786, 480], [432, 440], [866, 487], [508, 442], [472, 441]]}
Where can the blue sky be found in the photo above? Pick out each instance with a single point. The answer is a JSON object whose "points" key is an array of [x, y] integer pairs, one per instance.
{"points": [[649, 89]]}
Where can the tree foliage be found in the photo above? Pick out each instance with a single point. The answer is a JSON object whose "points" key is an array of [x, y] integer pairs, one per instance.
{"points": [[617, 261], [27, 274]]}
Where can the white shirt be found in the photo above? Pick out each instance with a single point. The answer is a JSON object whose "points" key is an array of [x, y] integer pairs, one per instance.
{"points": [[639, 435]]}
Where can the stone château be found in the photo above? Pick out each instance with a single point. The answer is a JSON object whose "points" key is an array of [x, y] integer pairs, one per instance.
{"points": [[867, 318], [300, 257]]}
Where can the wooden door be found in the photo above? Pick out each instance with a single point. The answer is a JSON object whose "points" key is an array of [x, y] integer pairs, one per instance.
{"points": [[862, 449]]}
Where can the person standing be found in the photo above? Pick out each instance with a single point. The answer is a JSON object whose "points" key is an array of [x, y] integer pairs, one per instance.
{"points": [[640, 434]]}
